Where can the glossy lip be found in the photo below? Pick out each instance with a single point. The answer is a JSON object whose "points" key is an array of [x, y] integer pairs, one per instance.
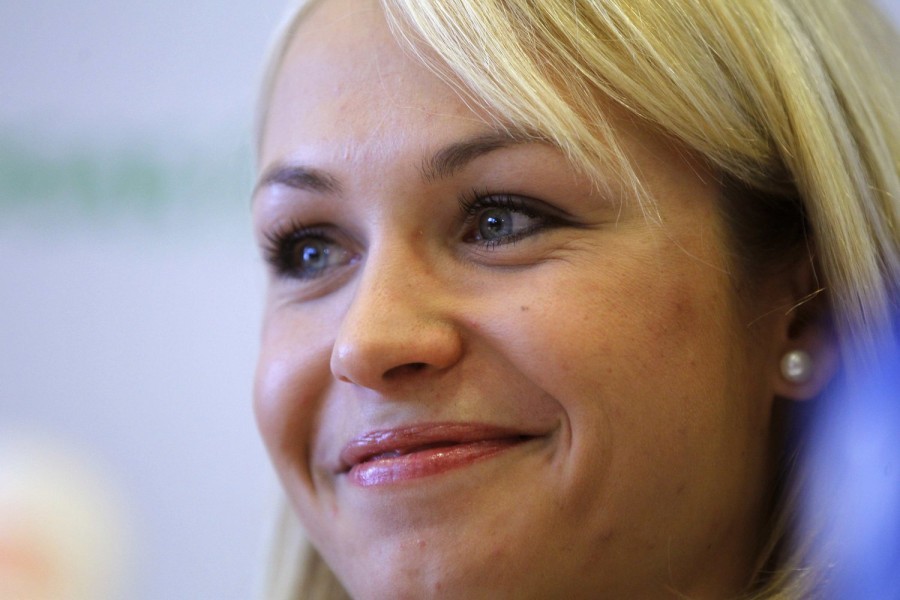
{"points": [[388, 456]]}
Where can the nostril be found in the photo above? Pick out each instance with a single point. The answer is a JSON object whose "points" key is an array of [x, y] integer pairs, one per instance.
{"points": [[406, 369]]}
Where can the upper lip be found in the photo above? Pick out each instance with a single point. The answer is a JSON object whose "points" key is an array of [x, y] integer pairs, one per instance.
{"points": [[412, 438]]}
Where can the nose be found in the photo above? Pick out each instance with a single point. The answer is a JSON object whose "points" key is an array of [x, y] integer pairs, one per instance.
{"points": [[397, 325]]}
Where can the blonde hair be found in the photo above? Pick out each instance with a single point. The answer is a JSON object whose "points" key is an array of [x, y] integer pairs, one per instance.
{"points": [[793, 102]]}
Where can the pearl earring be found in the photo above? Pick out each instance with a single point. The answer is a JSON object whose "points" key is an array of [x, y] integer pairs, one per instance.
{"points": [[796, 366]]}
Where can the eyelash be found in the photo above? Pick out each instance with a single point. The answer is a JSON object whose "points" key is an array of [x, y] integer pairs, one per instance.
{"points": [[281, 243]]}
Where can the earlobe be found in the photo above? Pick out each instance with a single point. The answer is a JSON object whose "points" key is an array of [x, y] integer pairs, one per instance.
{"points": [[809, 356]]}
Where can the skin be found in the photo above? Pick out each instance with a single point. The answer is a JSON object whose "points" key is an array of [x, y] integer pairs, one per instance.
{"points": [[620, 343]]}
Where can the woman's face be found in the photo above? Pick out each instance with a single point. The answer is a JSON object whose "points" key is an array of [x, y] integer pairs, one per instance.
{"points": [[481, 376]]}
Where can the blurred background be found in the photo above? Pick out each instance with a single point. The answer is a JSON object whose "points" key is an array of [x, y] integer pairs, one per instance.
{"points": [[130, 293]]}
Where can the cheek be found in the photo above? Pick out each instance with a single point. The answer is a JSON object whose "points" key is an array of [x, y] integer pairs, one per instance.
{"points": [[659, 352], [617, 333], [292, 376], [636, 353]]}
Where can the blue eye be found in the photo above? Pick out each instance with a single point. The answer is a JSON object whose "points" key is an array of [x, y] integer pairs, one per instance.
{"points": [[501, 219], [495, 224], [312, 256], [305, 253]]}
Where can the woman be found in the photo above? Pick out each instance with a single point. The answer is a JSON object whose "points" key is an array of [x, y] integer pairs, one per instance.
{"points": [[548, 281]]}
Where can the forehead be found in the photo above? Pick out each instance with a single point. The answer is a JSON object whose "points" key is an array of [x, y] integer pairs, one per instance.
{"points": [[344, 79]]}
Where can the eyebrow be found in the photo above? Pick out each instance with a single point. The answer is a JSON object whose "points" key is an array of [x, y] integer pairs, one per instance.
{"points": [[452, 158], [443, 164], [299, 177]]}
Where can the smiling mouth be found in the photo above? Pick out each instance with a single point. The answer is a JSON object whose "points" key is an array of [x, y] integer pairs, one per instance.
{"points": [[392, 456]]}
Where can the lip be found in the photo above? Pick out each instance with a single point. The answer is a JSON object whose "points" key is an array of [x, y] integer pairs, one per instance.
{"points": [[389, 456]]}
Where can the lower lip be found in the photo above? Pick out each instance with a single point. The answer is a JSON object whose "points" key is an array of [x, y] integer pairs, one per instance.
{"points": [[396, 469]]}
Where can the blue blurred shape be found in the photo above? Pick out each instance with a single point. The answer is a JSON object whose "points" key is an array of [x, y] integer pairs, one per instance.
{"points": [[854, 506]]}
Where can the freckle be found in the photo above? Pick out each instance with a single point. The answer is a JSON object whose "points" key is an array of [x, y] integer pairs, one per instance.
{"points": [[524, 308]]}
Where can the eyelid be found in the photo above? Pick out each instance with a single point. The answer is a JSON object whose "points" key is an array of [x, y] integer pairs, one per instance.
{"points": [[477, 200]]}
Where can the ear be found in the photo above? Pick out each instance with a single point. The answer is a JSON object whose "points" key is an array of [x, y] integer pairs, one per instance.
{"points": [[806, 326]]}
